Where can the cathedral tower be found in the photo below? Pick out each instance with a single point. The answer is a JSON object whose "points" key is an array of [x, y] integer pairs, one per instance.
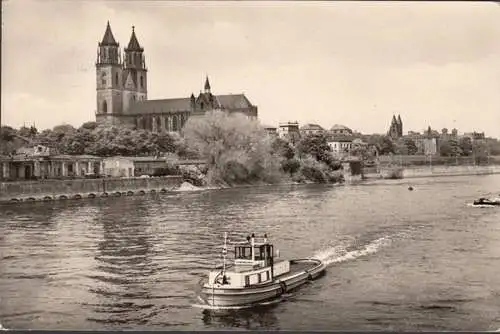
{"points": [[108, 76], [135, 86]]}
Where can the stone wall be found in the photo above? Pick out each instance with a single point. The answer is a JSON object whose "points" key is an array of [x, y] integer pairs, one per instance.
{"points": [[84, 188], [450, 171]]}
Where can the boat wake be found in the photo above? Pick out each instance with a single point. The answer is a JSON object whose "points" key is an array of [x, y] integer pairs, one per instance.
{"points": [[339, 254]]}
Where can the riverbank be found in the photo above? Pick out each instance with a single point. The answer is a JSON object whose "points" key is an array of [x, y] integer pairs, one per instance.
{"points": [[433, 171], [48, 190]]}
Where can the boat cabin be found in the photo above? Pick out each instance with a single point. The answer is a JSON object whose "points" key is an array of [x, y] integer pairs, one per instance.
{"points": [[254, 263]]}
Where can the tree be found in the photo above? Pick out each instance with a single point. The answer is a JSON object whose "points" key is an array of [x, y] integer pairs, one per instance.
{"points": [[283, 148], [450, 148], [315, 145], [89, 125], [480, 151], [411, 146], [290, 166], [400, 147], [465, 145], [236, 148]]}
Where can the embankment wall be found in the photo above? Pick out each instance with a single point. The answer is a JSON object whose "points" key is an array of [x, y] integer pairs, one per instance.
{"points": [[430, 171], [410, 172], [43, 189]]}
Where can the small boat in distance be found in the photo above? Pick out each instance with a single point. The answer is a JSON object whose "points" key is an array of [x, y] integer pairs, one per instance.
{"points": [[487, 202], [257, 274]]}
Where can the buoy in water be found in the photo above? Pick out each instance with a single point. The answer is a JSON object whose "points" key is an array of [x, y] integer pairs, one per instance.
{"points": [[410, 188]]}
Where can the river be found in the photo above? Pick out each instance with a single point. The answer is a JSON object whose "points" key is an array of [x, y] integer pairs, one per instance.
{"points": [[397, 259]]}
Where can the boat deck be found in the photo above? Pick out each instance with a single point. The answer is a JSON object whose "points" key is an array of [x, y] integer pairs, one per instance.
{"points": [[296, 267]]}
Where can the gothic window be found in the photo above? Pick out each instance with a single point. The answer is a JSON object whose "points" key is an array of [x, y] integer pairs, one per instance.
{"points": [[142, 82], [104, 107], [116, 79], [103, 78], [202, 105]]}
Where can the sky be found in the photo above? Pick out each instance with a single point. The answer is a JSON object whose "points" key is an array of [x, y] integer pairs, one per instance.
{"points": [[350, 63]]}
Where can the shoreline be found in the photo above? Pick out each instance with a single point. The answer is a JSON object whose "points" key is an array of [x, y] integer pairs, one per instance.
{"points": [[175, 184]]}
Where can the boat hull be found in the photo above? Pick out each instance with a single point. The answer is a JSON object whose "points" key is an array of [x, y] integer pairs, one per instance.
{"points": [[220, 296]]}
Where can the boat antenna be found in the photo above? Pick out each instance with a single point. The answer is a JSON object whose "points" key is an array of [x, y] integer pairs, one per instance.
{"points": [[224, 254]]}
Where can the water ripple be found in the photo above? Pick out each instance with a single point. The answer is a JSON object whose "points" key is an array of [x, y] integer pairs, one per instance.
{"points": [[397, 260]]}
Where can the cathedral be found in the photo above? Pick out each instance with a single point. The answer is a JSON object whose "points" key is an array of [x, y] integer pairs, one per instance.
{"points": [[396, 128], [122, 92]]}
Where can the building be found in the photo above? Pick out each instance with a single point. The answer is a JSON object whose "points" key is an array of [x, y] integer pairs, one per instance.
{"points": [[341, 130], [474, 135], [122, 92], [271, 130], [133, 166], [39, 163], [341, 145], [427, 144], [311, 129], [289, 131], [396, 128]]}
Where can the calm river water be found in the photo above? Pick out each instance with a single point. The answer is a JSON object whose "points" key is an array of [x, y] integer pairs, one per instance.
{"points": [[398, 260]]}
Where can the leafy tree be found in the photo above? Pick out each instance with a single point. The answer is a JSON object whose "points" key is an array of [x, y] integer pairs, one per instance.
{"points": [[283, 148], [230, 142], [290, 166], [450, 148], [315, 145], [8, 133], [400, 147], [89, 125], [411, 146], [465, 145]]}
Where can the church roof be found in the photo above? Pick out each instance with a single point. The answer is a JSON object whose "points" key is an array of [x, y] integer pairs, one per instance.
{"points": [[207, 83], [133, 44], [161, 106], [230, 101], [108, 38], [233, 101]]}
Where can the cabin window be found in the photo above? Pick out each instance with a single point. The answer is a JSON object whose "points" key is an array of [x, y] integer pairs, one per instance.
{"points": [[267, 276], [247, 280], [259, 277]]}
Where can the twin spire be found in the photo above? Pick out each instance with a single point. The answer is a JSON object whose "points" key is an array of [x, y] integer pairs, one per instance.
{"points": [[109, 39]]}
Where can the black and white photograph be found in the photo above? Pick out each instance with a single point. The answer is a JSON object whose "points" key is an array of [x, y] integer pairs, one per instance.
{"points": [[250, 166]]}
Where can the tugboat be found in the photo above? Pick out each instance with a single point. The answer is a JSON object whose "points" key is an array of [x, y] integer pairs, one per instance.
{"points": [[257, 274]]}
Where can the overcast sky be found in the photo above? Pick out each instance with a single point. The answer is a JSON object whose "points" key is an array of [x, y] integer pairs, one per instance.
{"points": [[351, 63]]}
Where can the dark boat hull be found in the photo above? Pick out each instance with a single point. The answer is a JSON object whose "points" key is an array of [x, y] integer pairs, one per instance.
{"points": [[486, 202]]}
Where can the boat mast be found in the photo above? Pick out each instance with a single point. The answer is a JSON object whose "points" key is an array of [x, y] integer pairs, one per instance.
{"points": [[224, 254], [253, 247]]}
